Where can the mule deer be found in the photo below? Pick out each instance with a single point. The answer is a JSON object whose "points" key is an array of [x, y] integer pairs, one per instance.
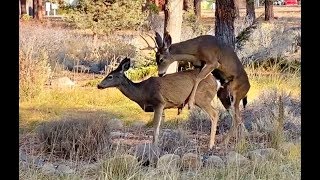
{"points": [[171, 91], [208, 53]]}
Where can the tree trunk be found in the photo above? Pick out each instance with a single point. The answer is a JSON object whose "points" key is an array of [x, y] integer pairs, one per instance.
{"points": [[37, 9], [197, 9], [224, 21], [23, 7], [268, 10], [236, 6], [156, 2], [250, 14], [187, 6], [172, 24]]}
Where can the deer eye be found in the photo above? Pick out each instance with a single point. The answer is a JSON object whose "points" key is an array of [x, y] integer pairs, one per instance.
{"points": [[161, 60], [110, 77]]}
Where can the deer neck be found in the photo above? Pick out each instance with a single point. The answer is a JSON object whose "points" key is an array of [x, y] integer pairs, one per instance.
{"points": [[131, 90]]}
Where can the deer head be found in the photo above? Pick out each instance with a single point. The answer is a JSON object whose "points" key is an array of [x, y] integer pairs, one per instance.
{"points": [[115, 78], [163, 56]]}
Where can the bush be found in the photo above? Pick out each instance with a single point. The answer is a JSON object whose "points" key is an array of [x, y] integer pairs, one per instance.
{"points": [[76, 139], [141, 72], [199, 120], [106, 17], [121, 166], [191, 27], [34, 71], [264, 41]]}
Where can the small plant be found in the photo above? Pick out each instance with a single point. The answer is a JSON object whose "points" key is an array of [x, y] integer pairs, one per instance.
{"points": [[154, 8], [25, 17], [34, 71], [120, 166], [242, 146], [278, 133]]}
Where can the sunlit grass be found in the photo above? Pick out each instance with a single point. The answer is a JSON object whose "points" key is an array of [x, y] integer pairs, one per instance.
{"points": [[52, 103], [261, 80]]}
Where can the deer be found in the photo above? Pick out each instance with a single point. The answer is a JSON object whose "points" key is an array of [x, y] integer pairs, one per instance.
{"points": [[156, 94], [208, 54]]}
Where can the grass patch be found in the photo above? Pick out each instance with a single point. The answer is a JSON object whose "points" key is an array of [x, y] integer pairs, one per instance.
{"points": [[261, 80], [56, 103]]}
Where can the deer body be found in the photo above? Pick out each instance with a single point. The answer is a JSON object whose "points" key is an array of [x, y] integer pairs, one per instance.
{"points": [[171, 91], [209, 53]]}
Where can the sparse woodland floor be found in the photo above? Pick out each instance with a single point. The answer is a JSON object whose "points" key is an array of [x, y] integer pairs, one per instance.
{"points": [[124, 126]]}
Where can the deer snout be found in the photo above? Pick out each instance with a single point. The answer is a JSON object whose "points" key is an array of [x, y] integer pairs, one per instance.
{"points": [[160, 74], [99, 86]]}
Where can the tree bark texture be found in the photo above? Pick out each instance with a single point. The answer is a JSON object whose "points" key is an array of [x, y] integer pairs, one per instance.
{"points": [[37, 9], [224, 21], [23, 7], [172, 24], [250, 11], [197, 9], [268, 10]]}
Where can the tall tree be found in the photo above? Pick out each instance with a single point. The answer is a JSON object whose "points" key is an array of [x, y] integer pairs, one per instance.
{"points": [[237, 5], [197, 9], [224, 21], [250, 11], [187, 5], [23, 7], [172, 24], [268, 10], [37, 9]]}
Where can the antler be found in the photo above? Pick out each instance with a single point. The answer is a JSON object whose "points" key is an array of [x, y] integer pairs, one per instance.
{"points": [[149, 46]]}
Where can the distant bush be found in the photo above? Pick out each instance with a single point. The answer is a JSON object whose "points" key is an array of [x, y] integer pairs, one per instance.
{"points": [[264, 41], [191, 27], [141, 72], [107, 16]]}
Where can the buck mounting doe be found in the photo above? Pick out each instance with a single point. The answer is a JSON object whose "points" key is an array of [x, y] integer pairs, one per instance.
{"points": [[171, 91], [208, 53]]}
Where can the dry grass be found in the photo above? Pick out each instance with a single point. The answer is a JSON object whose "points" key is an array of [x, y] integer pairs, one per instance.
{"points": [[75, 139]]}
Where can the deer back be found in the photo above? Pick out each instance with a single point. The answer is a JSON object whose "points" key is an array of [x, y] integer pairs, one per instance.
{"points": [[175, 88]]}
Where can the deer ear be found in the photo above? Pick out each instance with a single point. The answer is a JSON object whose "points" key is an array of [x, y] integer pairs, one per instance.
{"points": [[158, 40], [125, 64], [167, 40]]}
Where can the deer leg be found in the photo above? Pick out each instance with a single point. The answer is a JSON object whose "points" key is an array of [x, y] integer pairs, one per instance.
{"points": [[157, 116], [205, 71], [214, 120], [236, 120], [163, 117]]}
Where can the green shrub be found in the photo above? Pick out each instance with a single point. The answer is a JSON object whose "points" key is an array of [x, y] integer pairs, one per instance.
{"points": [[141, 72], [105, 17]]}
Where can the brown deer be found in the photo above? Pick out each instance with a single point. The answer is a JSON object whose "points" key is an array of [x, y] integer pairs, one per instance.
{"points": [[210, 54], [171, 91]]}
